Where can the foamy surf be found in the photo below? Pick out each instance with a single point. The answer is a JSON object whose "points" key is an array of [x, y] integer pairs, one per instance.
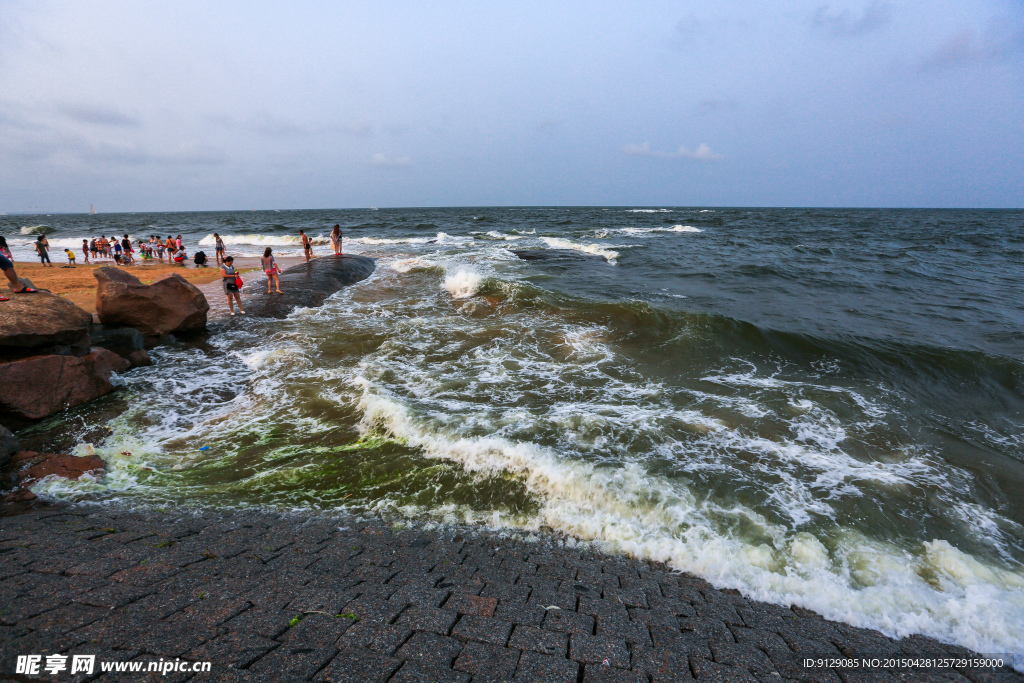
{"points": [[463, 284], [935, 589], [647, 231], [595, 249]]}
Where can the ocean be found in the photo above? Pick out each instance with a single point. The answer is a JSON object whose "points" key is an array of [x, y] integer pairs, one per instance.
{"points": [[819, 407]]}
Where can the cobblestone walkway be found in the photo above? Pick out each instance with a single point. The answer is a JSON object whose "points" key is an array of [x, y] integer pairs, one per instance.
{"points": [[281, 598]]}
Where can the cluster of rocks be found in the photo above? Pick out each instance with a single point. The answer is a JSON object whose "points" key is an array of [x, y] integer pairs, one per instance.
{"points": [[53, 356]]}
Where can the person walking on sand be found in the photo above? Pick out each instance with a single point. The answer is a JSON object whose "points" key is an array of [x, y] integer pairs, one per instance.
{"points": [[7, 265], [85, 250], [218, 248], [307, 246], [269, 264], [41, 249], [230, 280], [336, 239], [171, 248]]}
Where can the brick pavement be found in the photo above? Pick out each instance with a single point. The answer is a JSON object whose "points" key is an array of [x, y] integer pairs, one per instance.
{"points": [[269, 597]]}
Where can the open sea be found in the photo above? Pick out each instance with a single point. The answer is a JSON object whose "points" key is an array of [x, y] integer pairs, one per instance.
{"points": [[819, 407]]}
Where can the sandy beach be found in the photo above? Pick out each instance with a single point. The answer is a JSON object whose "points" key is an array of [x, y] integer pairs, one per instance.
{"points": [[79, 285]]}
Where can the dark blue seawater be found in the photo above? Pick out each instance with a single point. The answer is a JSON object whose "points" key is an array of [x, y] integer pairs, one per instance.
{"points": [[820, 407]]}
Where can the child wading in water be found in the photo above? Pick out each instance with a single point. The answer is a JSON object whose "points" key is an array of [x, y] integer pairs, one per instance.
{"points": [[229, 278], [269, 264]]}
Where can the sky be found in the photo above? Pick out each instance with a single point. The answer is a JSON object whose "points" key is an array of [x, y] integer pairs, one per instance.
{"points": [[178, 106]]}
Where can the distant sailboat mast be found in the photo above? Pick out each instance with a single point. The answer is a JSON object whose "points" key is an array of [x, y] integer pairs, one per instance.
{"points": [[92, 210]]}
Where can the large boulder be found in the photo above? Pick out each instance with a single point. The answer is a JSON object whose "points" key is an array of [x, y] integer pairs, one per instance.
{"points": [[36, 387], [41, 319], [170, 304]]}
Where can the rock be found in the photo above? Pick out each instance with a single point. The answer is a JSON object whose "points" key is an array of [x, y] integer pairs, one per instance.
{"points": [[121, 340], [67, 466], [42, 319], [139, 358], [25, 282], [555, 255], [8, 445], [36, 387], [309, 284], [171, 304]]}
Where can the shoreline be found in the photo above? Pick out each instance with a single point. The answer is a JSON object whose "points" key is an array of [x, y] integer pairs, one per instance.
{"points": [[273, 596]]}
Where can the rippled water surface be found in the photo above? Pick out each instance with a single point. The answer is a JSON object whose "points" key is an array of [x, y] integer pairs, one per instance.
{"points": [[819, 407]]}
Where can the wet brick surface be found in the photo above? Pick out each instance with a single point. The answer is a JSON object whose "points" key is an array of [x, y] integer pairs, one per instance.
{"points": [[270, 597]]}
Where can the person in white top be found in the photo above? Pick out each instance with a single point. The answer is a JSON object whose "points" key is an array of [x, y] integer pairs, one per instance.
{"points": [[269, 264]]}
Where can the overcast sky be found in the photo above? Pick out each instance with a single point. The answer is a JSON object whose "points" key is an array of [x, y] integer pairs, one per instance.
{"points": [[135, 106]]}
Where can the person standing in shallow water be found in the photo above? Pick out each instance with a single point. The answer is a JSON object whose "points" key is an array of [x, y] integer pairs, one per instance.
{"points": [[228, 276], [307, 246], [218, 248], [269, 264], [336, 239]]}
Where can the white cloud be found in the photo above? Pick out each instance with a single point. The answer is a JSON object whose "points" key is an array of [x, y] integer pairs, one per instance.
{"points": [[384, 161], [702, 153]]}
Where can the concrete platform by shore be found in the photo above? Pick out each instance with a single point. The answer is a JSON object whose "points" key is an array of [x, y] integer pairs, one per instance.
{"points": [[284, 597]]}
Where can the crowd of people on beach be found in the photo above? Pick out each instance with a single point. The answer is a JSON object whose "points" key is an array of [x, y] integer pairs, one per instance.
{"points": [[122, 252]]}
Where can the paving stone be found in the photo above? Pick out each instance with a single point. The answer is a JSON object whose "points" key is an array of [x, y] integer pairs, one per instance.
{"points": [[269, 623], [482, 629], [320, 600], [418, 595], [630, 631], [746, 656], [208, 612], [237, 650], [19, 610], [507, 592], [534, 667], [487, 662], [542, 598], [66, 618], [317, 629], [382, 638], [708, 629], [373, 609], [520, 614], [298, 661], [599, 650], [116, 595], [431, 649], [361, 666], [599, 673], [660, 660], [568, 622], [626, 596], [539, 640], [428, 619], [706, 670], [471, 604], [414, 672]]}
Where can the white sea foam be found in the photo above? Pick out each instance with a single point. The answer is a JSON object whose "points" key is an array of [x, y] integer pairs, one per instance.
{"points": [[36, 230], [595, 249], [463, 284], [646, 231], [263, 240]]}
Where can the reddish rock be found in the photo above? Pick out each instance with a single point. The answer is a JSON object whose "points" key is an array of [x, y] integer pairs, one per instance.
{"points": [[171, 304], [42, 319], [139, 358], [67, 466], [36, 387]]}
